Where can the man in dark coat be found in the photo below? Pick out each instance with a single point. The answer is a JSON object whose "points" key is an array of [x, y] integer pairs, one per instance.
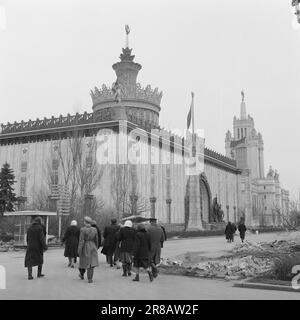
{"points": [[110, 241], [242, 230], [141, 252], [228, 232], [126, 236], [71, 240], [36, 245], [94, 224], [157, 238], [233, 226]]}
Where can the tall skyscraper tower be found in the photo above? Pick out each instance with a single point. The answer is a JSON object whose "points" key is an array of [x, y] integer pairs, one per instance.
{"points": [[246, 144]]}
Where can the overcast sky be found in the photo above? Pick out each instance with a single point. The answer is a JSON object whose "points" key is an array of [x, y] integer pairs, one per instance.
{"points": [[53, 52]]}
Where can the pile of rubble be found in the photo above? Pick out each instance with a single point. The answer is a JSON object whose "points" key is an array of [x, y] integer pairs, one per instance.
{"points": [[6, 246], [267, 248], [228, 268]]}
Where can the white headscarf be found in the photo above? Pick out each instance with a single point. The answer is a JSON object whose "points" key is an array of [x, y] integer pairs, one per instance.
{"points": [[128, 223], [73, 223]]}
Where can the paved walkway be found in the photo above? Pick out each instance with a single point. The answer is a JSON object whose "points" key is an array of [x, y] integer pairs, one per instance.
{"points": [[63, 283]]}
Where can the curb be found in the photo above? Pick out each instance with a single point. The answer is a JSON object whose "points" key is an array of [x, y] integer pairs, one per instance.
{"points": [[264, 286]]}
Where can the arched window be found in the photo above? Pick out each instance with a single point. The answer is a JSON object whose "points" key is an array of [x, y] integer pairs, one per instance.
{"points": [[238, 132]]}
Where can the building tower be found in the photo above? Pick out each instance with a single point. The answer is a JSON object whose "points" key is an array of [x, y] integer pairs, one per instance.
{"points": [[126, 99], [246, 145]]}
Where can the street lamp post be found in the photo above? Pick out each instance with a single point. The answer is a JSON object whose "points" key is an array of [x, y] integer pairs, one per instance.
{"points": [[295, 3]]}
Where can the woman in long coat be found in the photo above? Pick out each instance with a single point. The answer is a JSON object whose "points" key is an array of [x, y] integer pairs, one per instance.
{"points": [[36, 245], [126, 237], [141, 252], [71, 240], [88, 250]]}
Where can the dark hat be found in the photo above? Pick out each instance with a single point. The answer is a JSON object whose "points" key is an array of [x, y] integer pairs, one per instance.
{"points": [[141, 226], [38, 220]]}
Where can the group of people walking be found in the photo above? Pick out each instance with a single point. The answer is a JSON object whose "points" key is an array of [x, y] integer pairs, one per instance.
{"points": [[139, 247], [231, 229]]}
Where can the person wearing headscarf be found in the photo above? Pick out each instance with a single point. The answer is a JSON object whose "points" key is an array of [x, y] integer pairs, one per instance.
{"points": [[110, 241], [36, 245], [126, 237], [88, 250], [71, 240], [94, 224], [141, 252]]}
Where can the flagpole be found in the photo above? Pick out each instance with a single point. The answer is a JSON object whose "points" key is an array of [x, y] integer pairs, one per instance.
{"points": [[193, 122]]}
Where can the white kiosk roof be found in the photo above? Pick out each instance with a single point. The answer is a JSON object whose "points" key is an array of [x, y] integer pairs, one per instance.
{"points": [[30, 213]]}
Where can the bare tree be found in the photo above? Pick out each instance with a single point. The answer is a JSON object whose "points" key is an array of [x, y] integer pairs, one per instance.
{"points": [[124, 188], [290, 221], [120, 184]]}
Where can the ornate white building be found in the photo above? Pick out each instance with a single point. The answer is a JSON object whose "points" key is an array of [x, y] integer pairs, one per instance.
{"points": [[87, 157], [262, 198]]}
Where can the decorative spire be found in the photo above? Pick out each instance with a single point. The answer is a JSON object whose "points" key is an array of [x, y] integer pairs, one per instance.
{"points": [[243, 107], [126, 55], [127, 30]]}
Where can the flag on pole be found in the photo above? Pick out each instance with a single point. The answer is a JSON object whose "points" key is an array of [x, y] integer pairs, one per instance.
{"points": [[191, 112]]}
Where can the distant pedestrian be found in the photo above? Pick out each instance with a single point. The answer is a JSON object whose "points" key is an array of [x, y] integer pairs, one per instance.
{"points": [[94, 224], [233, 226], [36, 245], [157, 238], [228, 232], [88, 250], [126, 237], [110, 241], [242, 230], [71, 240], [141, 252]]}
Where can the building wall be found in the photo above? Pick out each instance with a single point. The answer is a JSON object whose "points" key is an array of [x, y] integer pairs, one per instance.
{"points": [[168, 178]]}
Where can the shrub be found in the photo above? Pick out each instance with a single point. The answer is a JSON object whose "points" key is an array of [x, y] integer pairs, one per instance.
{"points": [[6, 237], [282, 269]]}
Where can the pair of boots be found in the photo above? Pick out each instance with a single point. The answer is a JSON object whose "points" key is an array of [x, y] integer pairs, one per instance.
{"points": [[109, 260], [90, 273], [126, 269], [39, 273], [154, 270], [72, 261], [137, 276]]}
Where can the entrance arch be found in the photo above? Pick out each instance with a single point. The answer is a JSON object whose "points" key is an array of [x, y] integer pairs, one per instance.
{"points": [[205, 199]]}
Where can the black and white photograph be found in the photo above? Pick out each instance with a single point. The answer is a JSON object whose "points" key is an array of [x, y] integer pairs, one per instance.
{"points": [[149, 151]]}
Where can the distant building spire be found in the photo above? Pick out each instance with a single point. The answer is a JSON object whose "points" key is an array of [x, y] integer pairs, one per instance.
{"points": [[243, 106], [127, 29]]}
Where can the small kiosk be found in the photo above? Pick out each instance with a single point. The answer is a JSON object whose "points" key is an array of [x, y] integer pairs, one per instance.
{"points": [[23, 220]]}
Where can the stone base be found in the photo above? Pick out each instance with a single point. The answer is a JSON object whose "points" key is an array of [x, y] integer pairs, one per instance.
{"points": [[214, 225]]}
